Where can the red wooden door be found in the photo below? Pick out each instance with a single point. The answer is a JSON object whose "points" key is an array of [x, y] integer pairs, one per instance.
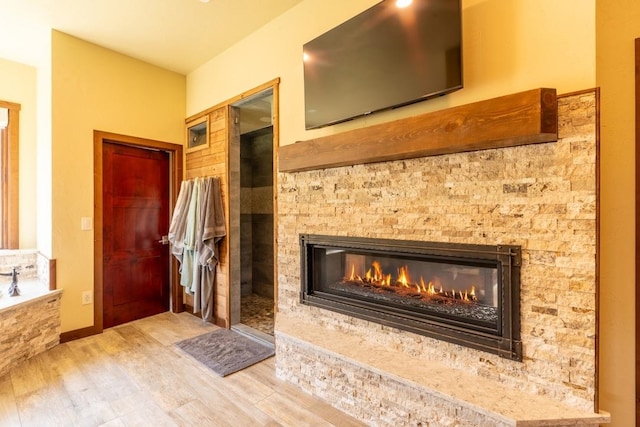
{"points": [[135, 217]]}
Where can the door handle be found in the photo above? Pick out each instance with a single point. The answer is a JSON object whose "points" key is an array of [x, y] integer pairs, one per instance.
{"points": [[164, 240]]}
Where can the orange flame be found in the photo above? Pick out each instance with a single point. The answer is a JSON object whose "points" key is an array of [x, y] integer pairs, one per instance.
{"points": [[387, 281], [376, 276], [352, 276], [403, 276], [378, 271]]}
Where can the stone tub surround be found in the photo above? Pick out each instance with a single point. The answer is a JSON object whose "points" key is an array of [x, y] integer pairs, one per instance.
{"points": [[30, 289], [29, 326], [28, 262], [31, 265], [541, 196], [30, 322], [427, 392]]}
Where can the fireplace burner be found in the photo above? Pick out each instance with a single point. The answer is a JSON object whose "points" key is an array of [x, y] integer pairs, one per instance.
{"points": [[464, 294]]}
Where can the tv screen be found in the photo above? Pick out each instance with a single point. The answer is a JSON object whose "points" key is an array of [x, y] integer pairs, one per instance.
{"points": [[385, 57]]}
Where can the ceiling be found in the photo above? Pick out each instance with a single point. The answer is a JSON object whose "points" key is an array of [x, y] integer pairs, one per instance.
{"points": [[178, 35]]}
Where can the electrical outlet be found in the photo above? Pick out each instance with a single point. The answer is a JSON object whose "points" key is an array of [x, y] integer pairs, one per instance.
{"points": [[87, 297]]}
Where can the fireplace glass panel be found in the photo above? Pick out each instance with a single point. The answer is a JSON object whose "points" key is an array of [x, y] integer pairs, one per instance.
{"points": [[456, 291], [462, 293]]}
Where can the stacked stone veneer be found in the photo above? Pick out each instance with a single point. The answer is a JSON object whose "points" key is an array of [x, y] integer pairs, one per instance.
{"points": [[541, 196], [30, 324], [29, 263]]}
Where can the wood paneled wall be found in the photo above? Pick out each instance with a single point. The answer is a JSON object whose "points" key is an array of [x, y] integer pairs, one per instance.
{"points": [[222, 159], [213, 161]]}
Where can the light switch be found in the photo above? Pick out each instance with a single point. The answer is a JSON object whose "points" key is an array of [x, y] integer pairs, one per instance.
{"points": [[86, 223]]}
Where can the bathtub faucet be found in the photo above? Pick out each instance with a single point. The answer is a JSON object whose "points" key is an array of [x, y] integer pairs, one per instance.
{"points": [[13, 289]]}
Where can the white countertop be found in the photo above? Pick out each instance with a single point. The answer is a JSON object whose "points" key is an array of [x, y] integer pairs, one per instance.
{"points": [[31, 290]]}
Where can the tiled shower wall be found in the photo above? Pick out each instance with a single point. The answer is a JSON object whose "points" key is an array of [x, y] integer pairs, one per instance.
{"points": [[256, 213]]}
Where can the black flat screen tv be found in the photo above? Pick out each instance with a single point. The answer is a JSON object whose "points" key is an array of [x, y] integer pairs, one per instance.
{"points": [[383, 58]]}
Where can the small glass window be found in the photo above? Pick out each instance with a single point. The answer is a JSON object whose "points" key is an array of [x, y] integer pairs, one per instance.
{"points": [[198, 134]]}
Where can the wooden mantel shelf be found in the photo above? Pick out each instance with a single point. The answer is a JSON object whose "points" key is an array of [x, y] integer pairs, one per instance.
{"points": [[523, 118]]}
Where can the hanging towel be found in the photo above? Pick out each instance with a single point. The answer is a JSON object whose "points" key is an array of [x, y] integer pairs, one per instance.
{"points": [[213, 229], [177, 228], [189, 272], [213, 224]]}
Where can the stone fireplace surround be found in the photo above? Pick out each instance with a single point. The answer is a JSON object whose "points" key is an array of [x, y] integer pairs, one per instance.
{"points": [[540, 196]]}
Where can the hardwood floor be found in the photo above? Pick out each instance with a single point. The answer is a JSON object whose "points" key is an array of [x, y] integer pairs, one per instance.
{"points": [[132, 375]]}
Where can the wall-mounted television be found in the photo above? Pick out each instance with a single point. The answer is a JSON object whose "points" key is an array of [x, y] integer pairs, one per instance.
{"points": [[383, 58]]}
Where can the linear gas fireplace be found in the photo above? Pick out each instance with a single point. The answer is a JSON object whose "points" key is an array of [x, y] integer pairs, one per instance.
{"points": [[464, 294]]}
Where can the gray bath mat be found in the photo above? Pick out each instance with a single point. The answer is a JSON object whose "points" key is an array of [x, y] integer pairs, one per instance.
{"points": [[225, 351]]}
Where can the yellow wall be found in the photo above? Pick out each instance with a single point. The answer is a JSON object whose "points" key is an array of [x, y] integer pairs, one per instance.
{"points": [[509, 46], [618, 24], [43, 151], [18, 84], [97, 89]]}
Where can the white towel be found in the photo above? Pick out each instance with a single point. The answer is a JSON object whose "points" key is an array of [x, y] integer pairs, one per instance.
{"points": [[190, 278], [178, 224]]}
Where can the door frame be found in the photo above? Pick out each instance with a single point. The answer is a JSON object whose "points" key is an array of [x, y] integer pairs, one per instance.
{"points": [[233, 169], [175, 177], [637, 223]]}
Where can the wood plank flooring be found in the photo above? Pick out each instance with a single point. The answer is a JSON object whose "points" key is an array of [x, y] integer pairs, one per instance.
{"points": [[133, 375]]}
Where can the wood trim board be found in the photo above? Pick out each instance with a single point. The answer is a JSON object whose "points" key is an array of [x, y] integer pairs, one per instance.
{"points": [[523, 118], [637, 222]]}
